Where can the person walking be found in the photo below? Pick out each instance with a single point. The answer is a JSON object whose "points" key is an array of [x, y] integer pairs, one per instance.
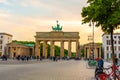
{"points": [[116, 60]]}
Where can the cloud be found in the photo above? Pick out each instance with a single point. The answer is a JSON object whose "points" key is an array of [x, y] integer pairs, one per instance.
{"points": [[4, 15], [27, 3], [5, 2], [61, 9]]}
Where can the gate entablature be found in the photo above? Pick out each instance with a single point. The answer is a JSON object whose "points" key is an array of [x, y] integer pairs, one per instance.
{"points": [[54, 34]]}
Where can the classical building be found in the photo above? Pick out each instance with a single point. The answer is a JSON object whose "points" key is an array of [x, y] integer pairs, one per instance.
{"points": [[5, 38], [107, 45], [14, 49], [57, 35], [97, 50]]}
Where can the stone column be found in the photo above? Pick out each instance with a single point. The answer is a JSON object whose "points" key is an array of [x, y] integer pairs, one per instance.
{"points": [[69, 49], [19, 51], [45, 54], [7, 51], [11, 53], [100, 52], [52, 53], [85, 49], [62, 49], [77, 49], [89, 51], [33, 51], [37, 48]]}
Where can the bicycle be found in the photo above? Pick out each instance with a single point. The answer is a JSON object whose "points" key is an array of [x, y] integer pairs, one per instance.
{"points": [[109, 76]]}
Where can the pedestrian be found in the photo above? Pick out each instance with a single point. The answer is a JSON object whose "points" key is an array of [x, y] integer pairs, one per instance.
{"points": [[37, 58], [27, 58], [40, 58], [116, 60], [100, 63], [99, 66]]}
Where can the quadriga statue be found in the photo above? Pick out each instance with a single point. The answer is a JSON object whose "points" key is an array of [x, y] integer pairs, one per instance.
{"points": [[57, 28]]}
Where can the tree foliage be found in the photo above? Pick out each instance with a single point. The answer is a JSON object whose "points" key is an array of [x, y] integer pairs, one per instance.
{"points": [[105, 13]]}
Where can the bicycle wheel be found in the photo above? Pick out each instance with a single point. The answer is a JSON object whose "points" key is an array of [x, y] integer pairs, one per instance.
{"points": [[118, 74], [102, 76]]}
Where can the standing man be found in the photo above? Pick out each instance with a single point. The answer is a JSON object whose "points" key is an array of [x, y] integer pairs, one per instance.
{"points": [[99, 67], [116, 60]]}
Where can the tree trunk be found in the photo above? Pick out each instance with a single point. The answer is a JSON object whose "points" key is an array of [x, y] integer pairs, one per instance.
{"points": [[113, 54]]}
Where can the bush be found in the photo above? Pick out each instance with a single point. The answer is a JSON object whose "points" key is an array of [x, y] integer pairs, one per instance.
{"points": [[92, 63]]}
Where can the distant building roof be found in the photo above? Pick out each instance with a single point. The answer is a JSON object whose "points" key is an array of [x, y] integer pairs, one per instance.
{"points": [[92, 44], [113, 34], [18, 43], [29, 45], [6, 34]]}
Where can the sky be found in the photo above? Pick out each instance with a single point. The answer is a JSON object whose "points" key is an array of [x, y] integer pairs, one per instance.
{"points": [[23, 18]]}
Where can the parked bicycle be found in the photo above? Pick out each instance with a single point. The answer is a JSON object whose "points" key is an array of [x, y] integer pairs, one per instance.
{"points": [[108, 73]]}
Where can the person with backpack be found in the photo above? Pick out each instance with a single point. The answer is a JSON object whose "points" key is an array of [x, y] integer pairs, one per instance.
{"points": [[99, 67]]}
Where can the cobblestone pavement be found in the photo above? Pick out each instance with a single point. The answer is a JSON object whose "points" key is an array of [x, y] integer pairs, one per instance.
{"points": [[47, 70], [11, 61]]}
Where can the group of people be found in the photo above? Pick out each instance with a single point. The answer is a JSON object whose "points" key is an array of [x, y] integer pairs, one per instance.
{"points": [[23, 58], [4, 57]]}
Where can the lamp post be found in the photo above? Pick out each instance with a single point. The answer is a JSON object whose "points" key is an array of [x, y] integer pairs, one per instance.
{"points": [[92, 51]]}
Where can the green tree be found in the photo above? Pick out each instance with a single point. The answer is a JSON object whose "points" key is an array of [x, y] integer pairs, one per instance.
{"points": [[65, 52], [82, 53], [57, 50], [104, 13]]}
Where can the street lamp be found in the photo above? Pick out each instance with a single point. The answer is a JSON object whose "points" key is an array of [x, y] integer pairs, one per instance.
{"points": [[92, 51]]}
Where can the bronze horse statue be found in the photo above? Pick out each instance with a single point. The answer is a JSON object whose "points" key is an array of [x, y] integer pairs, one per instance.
{"points": [[57, 28]]}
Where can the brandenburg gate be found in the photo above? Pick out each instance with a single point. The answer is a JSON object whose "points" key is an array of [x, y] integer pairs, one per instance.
{"points": [[57, 35]]}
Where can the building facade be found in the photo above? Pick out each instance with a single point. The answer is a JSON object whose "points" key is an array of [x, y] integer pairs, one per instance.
{"points": [[5, 38], [15, 49], [107, 45], [97, 50]]}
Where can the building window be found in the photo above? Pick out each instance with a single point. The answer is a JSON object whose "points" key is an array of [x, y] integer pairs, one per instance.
{"points": [[111, 55], [107, 48], [119, 42], [107, 55], [119, 37], [115, 54], [14, 48], [114, 42], [110, 48], [107, 42], [119, 55], [106, 36], [114, 36], [119, 48], [115, 48], [0, 47], [0, 41]]}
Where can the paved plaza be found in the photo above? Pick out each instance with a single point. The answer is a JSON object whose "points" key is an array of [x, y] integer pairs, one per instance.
{"points": [[46, 70]]}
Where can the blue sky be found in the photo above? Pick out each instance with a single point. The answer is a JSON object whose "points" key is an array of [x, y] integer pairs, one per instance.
{"points": [[22, 18]]}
